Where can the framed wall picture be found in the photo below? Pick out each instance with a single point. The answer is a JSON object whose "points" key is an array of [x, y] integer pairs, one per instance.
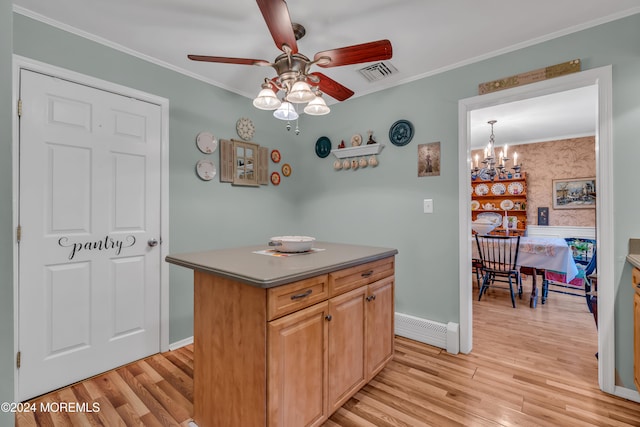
{"points": [[575, 193], [543, 216], [429, 159]]}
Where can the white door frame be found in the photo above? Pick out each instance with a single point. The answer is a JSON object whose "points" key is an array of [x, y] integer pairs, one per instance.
{"points": [[20, 62], [601, 77]]}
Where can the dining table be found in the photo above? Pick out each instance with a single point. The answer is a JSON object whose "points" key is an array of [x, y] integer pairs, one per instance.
{"points": [[539, 254]]}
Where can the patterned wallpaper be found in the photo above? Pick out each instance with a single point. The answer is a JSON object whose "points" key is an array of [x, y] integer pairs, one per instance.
{"points": [[545, 161]]}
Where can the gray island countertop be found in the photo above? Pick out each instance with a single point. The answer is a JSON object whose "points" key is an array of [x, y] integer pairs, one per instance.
{"points": [[633, 256], [248, 265]]}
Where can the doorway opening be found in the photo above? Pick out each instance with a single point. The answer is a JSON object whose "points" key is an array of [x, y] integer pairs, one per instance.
{"points": [[601, 78]]}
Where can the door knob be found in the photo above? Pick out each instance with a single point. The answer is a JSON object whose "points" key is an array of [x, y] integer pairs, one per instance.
{"points": [[152, 242]]}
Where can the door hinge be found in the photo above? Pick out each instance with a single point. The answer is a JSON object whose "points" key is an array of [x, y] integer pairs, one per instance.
{"points": [[19, 233], [19, 107], [18, 356]]}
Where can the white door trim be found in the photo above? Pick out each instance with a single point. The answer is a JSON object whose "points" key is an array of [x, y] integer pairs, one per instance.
{"points": [[604, 216], [20, 62]]}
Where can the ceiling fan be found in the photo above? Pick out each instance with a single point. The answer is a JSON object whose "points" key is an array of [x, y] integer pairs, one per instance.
{"points": [[293, 68]]}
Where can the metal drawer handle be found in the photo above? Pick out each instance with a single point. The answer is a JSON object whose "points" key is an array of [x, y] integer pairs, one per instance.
{"points": [[302, 295], [328, 317], [371, 297], [367, 273]]}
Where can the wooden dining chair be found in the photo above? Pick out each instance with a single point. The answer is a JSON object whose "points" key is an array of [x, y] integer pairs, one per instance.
{"points": [[499, 257]]}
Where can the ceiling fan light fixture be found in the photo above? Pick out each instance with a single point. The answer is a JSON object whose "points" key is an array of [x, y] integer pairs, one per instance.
{"points": [[285, 112], [317, 107], [267, 99], [300, 93]]}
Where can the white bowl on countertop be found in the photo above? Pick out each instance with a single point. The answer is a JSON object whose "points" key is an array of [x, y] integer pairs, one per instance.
{"points": [[292, 243]]}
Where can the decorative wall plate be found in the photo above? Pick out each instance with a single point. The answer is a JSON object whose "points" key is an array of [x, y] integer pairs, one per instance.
{"points": [[401, 132], [286, 169], [205, 169], [494, 217], [275, 156], [206, 142], [515, 188], [356, 140], [482, 190], [275, 178], [506, 205], [323, 147], [245, 128], [475, 205], [498, 189]]}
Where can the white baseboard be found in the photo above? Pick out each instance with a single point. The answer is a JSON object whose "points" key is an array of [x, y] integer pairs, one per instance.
{"points": [[446, 336], [176, 345], [627, 393]]}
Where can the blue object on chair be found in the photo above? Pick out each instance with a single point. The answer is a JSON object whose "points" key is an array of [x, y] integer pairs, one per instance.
{"points": [[584, 255]]}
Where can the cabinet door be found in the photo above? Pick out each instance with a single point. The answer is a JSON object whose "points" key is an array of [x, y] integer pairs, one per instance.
{"points": [[380, 329], [297, 360], [636, 339], [346, 346]]}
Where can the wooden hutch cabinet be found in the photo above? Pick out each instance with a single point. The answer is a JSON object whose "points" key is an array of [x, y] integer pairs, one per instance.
{"points": [[500, 196]]}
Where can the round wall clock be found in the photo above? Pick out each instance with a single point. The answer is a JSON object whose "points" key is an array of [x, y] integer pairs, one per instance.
{"points": [[245, 128], [401, 132]]}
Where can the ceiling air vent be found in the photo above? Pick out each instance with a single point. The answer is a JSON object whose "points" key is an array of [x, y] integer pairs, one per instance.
{"points": [[378, 71]]}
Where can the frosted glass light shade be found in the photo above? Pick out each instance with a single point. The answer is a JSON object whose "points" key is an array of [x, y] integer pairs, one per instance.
{"points": [[267, 100], [300, 93], [285, 112], [317, 107]]}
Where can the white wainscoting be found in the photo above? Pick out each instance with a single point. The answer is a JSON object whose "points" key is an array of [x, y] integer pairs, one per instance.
{"points": [[561, 231]]}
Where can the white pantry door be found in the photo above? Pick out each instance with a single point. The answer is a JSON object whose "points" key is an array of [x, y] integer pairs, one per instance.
{"points": [[89, 265]]}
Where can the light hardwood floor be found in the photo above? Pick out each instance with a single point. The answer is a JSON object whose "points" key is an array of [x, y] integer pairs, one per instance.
{"points": [[528, 367]]}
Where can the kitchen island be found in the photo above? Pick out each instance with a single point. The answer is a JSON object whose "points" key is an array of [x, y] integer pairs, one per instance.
{"points": [[287, 340]]}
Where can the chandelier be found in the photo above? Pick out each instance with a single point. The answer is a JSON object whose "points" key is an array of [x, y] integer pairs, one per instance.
{"points": [[493, 166]]}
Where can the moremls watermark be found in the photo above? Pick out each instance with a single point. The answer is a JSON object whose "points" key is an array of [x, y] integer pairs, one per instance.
{"points": [[84, 407]]}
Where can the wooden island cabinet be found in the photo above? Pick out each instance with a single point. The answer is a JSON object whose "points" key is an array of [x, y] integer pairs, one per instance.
{"points": [[286, 341]]}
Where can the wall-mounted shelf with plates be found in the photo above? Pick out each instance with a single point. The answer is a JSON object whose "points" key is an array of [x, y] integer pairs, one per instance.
{"points": [[361, 150]]}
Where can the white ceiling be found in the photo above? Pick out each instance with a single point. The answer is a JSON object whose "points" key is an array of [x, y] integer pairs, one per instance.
{"points": [[428, 37]]}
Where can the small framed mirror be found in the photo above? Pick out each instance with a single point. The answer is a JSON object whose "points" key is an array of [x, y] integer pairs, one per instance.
{"points": [[245, 162]]}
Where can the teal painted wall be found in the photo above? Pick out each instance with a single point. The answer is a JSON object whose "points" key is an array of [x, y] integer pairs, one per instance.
{"points": [[203, 215], [378, 206], [6, 212]]}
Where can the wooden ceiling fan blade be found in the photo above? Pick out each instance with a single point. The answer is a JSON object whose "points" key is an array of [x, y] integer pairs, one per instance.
{"points": [[227, 60], [333, 88], [367, 52], [276, 15]]}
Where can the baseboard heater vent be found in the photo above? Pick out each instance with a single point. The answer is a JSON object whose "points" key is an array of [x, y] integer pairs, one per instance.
{"points": [[437, 334]]}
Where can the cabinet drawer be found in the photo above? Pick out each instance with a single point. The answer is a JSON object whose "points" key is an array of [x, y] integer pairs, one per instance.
{"points": [[360, 275], [294, 296], [635, 278]]}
